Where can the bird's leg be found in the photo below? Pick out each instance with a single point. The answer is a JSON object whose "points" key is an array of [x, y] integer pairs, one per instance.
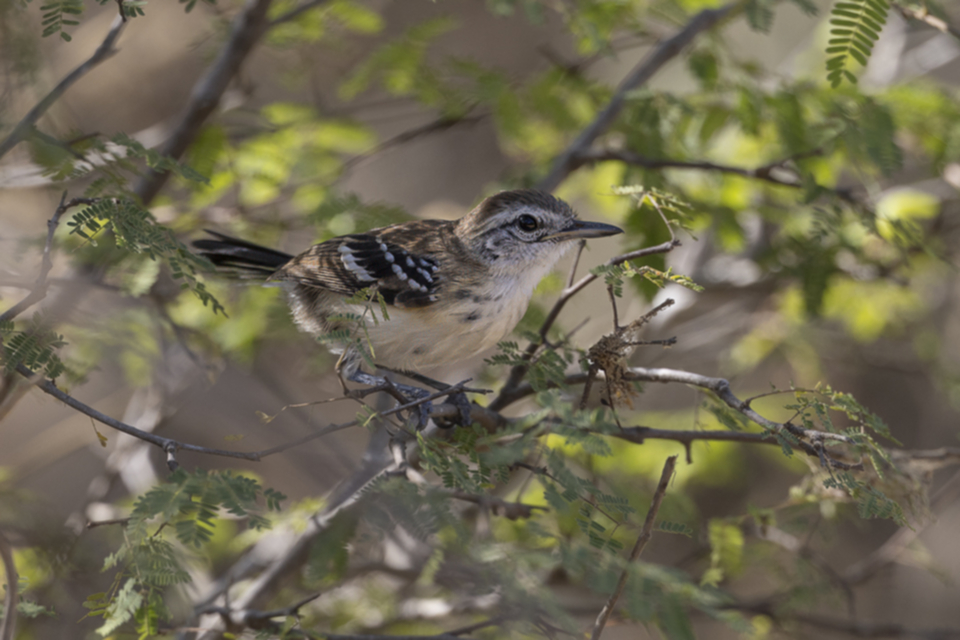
{"points": [[457, 398], [402, 392]]}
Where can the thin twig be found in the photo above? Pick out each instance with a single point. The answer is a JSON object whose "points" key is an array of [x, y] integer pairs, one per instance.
{"points": [[104, 51], [437, 126], [10, 601], [581, 245], [645, 534], [518, 371], [663, 53]]}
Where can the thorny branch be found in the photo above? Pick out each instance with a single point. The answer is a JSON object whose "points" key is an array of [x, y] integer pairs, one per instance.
{"points": [[645, 534]]}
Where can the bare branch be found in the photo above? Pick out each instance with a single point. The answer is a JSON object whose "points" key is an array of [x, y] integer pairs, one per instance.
{"points": [[166, 444], [645, 534], [437, 126], [248, 28], [171, 447], [104, 51], [663, 53], [766, 172], [8, 627]]}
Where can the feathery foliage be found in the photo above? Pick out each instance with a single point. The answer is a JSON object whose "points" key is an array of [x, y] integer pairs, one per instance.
{"points": [[855, 27]]}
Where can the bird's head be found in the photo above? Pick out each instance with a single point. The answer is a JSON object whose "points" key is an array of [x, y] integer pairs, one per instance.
{"points": [[516, 230]]}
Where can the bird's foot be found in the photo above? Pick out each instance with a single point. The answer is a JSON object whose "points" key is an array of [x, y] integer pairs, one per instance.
{"points": [[457, 398], [419, 414]]}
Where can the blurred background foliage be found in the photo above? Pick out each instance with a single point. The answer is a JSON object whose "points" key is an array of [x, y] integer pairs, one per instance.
{"points": [[816, 151]]}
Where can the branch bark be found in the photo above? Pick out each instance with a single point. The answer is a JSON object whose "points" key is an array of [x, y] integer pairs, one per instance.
{"points": [[248, 28]]}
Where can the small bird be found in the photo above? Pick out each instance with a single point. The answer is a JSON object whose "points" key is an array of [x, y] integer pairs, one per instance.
{"points": [[449, 288]]}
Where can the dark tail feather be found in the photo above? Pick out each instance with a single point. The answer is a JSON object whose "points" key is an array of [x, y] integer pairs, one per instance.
{"points": [[240, 257]]}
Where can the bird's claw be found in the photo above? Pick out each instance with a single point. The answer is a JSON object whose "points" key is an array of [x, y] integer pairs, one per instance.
{"points": [[462, 403]]}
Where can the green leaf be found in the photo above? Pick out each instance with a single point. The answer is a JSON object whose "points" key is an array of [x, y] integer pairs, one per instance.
{"points": [[860, 23]]}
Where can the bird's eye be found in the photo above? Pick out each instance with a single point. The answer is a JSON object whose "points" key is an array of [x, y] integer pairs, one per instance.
{"points": [[526, 222]]}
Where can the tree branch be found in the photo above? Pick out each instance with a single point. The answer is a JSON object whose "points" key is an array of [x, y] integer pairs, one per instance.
{"points": [[104, 51], [873, 629], [8, 627], [765, 172], [248, 28], [171, 447], [924, 15], [645, 534], [663, 53]]}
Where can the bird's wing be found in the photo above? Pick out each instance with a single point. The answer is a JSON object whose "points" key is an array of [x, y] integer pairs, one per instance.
{"points": [[345, 265]]}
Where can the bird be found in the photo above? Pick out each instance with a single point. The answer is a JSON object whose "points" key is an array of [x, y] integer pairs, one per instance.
{"points": [[415, 295]]}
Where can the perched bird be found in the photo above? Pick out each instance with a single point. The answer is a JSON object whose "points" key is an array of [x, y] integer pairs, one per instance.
{"points": [[450, 288]]}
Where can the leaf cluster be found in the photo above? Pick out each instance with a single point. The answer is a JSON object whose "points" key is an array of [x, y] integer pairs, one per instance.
{"points": [[189, 504], [35, 346], [855, 27]]}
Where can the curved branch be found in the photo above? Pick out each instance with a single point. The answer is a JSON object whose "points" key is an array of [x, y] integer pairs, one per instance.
{"points": [[104, 51], [170, 446], [663, 53]]}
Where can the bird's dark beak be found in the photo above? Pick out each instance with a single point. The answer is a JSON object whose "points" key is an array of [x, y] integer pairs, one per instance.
{"points": [[582, 229]]}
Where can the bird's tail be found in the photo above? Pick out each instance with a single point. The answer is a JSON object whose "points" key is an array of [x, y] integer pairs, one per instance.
{"points": [[239, 257]]}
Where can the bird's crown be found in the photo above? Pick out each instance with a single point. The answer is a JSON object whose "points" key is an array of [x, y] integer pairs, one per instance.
{"points": [[528, 215]]}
